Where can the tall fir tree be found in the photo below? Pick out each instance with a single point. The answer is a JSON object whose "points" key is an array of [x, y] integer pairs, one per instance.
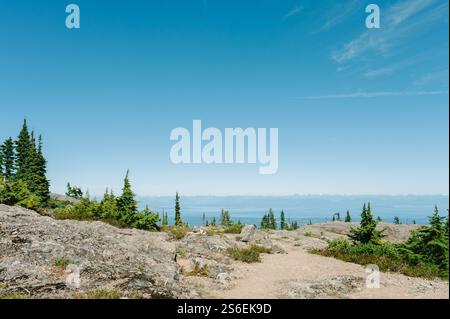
{"points": [[41, 181], [178, 220], [270, 221], [23, 147], [282, 220], [126, 204], [7, 159]]}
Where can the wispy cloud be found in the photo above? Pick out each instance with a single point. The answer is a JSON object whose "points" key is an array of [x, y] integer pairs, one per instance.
{"points": [[294, 11], [374, 73], [393, 28], [372, 95], [439, 77], [339, 13]]}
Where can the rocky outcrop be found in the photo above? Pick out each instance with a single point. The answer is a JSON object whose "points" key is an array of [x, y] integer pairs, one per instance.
{"points": [[44, 258]]}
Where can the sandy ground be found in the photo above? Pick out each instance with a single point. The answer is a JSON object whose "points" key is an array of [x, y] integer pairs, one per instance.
{"points": [[299, 274]]}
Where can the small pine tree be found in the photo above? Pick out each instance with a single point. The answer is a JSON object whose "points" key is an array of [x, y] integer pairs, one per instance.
{"points": [[282, 221], [108, 206], [165, 220], [178, 220], [126, 204], [396, 220], [213, 222], [367, 232], [348, 218], [334, 218], [431, 243], [204, 219], [74, 191], [225, 219]]}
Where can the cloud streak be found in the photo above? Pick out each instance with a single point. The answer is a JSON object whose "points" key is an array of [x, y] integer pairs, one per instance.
{"points": [[294, 11], [339, 14], [393, 28], [373, 95]]}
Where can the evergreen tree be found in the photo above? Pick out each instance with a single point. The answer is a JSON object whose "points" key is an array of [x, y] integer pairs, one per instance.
{"points": [[204, 219], [282, 221], [348, 218], [74, 191], [213, 222], [367, 232], [396, 220], [7, 159], [334, 218], [108, 206], [178, 220], [165, 220], [379, 219], [23, 148], [446, 229], [264, 222], [40, 181], [225, 219], [430, 243], [272, 220], [126, 204], [338, 217]]}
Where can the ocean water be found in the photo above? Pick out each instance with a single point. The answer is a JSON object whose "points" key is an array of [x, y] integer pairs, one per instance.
{"points": [[250, 209]]}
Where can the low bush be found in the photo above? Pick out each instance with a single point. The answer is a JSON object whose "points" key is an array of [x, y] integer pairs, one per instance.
{"points": [[234, 228], [250, 254], [62, 262], [388, 257], [100, 294], [176, 232], [198, 272]]}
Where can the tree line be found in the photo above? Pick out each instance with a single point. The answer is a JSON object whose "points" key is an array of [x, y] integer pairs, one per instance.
{"points": [[23, 170], [269, 221]]}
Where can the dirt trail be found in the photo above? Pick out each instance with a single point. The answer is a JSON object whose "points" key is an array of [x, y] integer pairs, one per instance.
{"points": [[299, 274]]}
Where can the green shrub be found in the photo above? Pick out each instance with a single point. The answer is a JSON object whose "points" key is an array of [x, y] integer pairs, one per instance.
{"points": [[62, 262], [100, 294], [56, 203], [11, 296], [176, 232], [250, 254], [388, 257], [198, 272], [233, 228], [145, 220]]}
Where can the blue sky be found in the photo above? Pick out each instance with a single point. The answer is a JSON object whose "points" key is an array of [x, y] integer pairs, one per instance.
{"points": [[359, 111]]}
